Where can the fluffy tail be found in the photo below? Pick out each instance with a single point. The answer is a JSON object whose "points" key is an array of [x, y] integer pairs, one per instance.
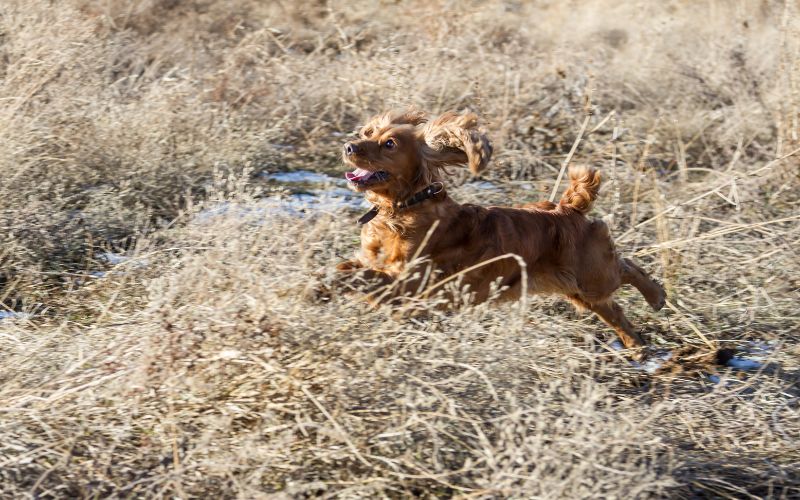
{"points": [[584, 182]]}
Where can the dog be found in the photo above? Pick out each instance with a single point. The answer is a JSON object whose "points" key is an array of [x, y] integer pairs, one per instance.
{"points": [[416, 237]]}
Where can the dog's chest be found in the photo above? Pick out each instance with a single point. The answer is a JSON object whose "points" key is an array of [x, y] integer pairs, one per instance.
{"points": [[385, 249]]}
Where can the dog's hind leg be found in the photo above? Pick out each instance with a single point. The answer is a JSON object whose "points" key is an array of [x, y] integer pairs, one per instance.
{"points": [[632, 274], [611, 313]]}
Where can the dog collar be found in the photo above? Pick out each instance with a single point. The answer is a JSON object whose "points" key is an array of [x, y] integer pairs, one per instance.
{"points": [[368, 216], [419, 197]]}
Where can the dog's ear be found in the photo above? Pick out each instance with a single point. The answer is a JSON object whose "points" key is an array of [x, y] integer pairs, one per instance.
{"points": [[454, 139], [410, 116]]}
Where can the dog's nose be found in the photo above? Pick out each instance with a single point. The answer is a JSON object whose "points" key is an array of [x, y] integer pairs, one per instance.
{"points": [[350, 149]]}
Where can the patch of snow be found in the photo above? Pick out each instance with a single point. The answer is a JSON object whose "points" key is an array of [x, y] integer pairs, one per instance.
{"points": [[330, 201], [306, 176], [217, 210], [653, 362], [282, 147], [744, 364], [481, 185], [13, 315], [759, 350], [113, 258], [116, 259], [752, 356], [656, 361]]}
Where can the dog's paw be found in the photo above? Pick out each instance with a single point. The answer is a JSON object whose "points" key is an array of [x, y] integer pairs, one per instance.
{"points": [[640, 354], [348, 266], [658, 300]]}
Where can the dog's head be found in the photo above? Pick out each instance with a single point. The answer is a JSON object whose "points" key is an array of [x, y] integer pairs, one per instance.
{"points": [[399, 153]]}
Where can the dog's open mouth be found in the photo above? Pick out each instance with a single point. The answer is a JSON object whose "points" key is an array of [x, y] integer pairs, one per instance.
{"points": [[361, 177]]}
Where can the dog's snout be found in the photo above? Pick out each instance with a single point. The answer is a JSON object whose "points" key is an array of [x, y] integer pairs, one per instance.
{"points": [[351, 148]]}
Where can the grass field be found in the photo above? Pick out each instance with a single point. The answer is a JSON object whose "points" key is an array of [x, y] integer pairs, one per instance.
{"points": [[170, 183]]}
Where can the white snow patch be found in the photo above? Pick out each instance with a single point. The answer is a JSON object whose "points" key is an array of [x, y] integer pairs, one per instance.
{"points": [[331, 201], [653, 362], [656, 361], [752, 356], [327, 201], [13, 315], [759, 350], [282, 147], [480, 185], [116, 259], [744, 364], [113, 258], [306, 176]]}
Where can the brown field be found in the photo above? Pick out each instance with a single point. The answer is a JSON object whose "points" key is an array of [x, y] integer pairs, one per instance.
{"points": [[154, 341]]}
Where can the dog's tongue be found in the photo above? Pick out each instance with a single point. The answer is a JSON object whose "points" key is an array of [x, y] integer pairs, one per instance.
{"points": [[358, 175]]}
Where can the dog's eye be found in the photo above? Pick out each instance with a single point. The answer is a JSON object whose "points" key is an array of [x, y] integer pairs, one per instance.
{"points": [[390, 144]]}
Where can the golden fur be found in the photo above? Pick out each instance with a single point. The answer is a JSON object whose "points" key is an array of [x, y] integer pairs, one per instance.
{"points": [[401, 153]]}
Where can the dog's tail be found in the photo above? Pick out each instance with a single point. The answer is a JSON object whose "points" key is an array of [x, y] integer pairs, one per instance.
{"points": [[584, 182]]}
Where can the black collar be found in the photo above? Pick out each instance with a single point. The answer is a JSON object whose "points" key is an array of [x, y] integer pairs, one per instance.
{"points": [[427, 193]]}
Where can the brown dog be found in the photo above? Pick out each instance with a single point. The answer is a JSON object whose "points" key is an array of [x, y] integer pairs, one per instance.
{"points": [[398, 162]]}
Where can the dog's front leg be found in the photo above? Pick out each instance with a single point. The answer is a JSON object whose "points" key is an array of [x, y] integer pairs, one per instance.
{"points": [[352, 275], [322, 288], [380, 287]]}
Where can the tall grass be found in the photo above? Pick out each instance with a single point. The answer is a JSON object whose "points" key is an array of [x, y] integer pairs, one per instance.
{"points": [[195, 367]]}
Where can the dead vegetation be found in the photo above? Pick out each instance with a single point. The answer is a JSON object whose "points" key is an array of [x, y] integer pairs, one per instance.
{"points": [[194, 368]]}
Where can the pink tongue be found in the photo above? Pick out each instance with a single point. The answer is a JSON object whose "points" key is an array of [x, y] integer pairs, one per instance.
{"points": [[358, 174]]}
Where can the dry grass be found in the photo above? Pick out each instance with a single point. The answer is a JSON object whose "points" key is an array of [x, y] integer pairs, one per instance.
{"points": [[194, 368]]}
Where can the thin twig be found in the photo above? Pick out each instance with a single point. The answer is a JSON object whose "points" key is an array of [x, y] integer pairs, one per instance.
{"points": [[569, 157]]}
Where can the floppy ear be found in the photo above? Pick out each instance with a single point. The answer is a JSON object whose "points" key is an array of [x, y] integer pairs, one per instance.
{"points": [[454, 139]]}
